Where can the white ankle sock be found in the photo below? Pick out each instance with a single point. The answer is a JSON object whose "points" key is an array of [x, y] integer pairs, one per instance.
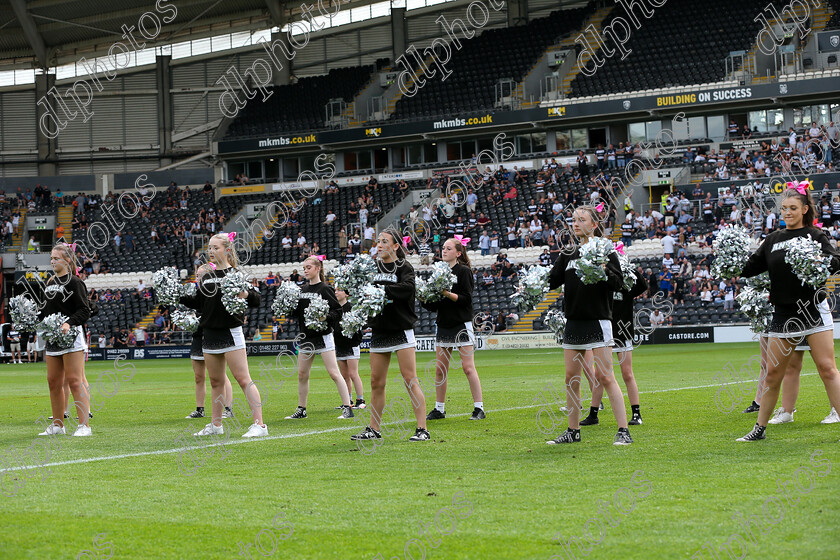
{"points": [[440, 407], [479, 404]]}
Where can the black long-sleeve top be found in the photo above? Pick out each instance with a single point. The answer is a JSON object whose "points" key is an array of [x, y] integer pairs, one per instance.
{"points": [[623, 324], [785, 288], [208, 302], [68, 296], [456, 313], [585, 302], [342, 341], [308, 291], [398, 281]]}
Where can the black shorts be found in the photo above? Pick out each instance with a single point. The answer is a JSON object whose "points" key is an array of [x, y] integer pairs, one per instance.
{"points": [[798, 322], [587, 334], [316, 344], [455, 337], [219, 341], [391, 341], [347, 353]]}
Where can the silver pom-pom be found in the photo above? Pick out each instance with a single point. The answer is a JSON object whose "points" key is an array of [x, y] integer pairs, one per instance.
{"points": [[806, 260], [731, 248], [628, 271], [760, 282], [532, 288], [167, 285], [188, 289], [24, 313], [440, 280], [352, 322], [232, 284], [315, 315], [370, 301], [755, 304], [556, 321], [352, 276], [286, 299], [51, 329], [594, 254], [185, 319]]}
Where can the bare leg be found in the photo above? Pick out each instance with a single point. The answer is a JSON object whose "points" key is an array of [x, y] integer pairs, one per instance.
{"points": [[574, 367], [468, 363], [822, 350], [332, 369], [305, 360], [200, 389], [345, 373], [603, 375], [444, 355], [790, 384], [74, 371], [379, 363], [55, 381], [408, 368], [353, 367], [215, 364], [779, 352]]}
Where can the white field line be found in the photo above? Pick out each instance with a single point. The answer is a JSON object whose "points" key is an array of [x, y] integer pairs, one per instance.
{"points": [[313, 433]]}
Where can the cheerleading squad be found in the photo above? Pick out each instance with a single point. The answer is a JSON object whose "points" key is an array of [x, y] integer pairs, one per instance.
{"points": [[599, 288]]}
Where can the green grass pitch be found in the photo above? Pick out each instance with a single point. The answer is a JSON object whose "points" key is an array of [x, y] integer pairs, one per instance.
{"points": [[479, 490]]}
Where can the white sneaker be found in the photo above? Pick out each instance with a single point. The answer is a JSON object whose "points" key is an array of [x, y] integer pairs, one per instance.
{"points": [[256, 431], [781, 417], [211, 429], [82, 431], [832, 418], [53, 429]]}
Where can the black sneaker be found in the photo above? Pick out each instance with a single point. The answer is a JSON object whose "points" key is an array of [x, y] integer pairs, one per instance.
{"points": [[360, 403], [435, 414], [601, 406], [339, 407], [65, 416], [591, 420], [623, 437], [346, 412], [299, 413], [478, 414], [569, 436], [228, 413], [755, 434], [196, 414], [754, 406], [367, 433], [90, 414], [420, 434], [636, 420]]}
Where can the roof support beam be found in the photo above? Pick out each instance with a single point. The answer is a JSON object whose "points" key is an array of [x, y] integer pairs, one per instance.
{"points": [[30, 31]]}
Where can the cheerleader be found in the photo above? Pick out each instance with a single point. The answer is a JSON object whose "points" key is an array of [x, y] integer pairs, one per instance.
{"points": [[623, 325], [65, 293], [347, 353], [455, 329], [588, 327], [197, 359], [800, 311], [393, 332], [223, 342], [312, 342]]}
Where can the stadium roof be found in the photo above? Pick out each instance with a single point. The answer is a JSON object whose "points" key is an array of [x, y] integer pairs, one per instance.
{"points": [[45, 33]]}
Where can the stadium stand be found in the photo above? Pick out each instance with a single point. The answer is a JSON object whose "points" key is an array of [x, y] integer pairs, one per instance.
{"points": [[300, 106], [676, 48]]}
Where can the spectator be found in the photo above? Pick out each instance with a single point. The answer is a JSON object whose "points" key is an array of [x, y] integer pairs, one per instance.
{"points": [[484, 243], [657, 319]]}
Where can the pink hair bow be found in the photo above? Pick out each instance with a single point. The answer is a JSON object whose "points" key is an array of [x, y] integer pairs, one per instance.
{"points": [[212, 265], [600, 207], [817, 224], [619, 248], [320, 257], [463, 240], [232, 235], [406, 239], [78, 270], [72, 246], [801, 187]]}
